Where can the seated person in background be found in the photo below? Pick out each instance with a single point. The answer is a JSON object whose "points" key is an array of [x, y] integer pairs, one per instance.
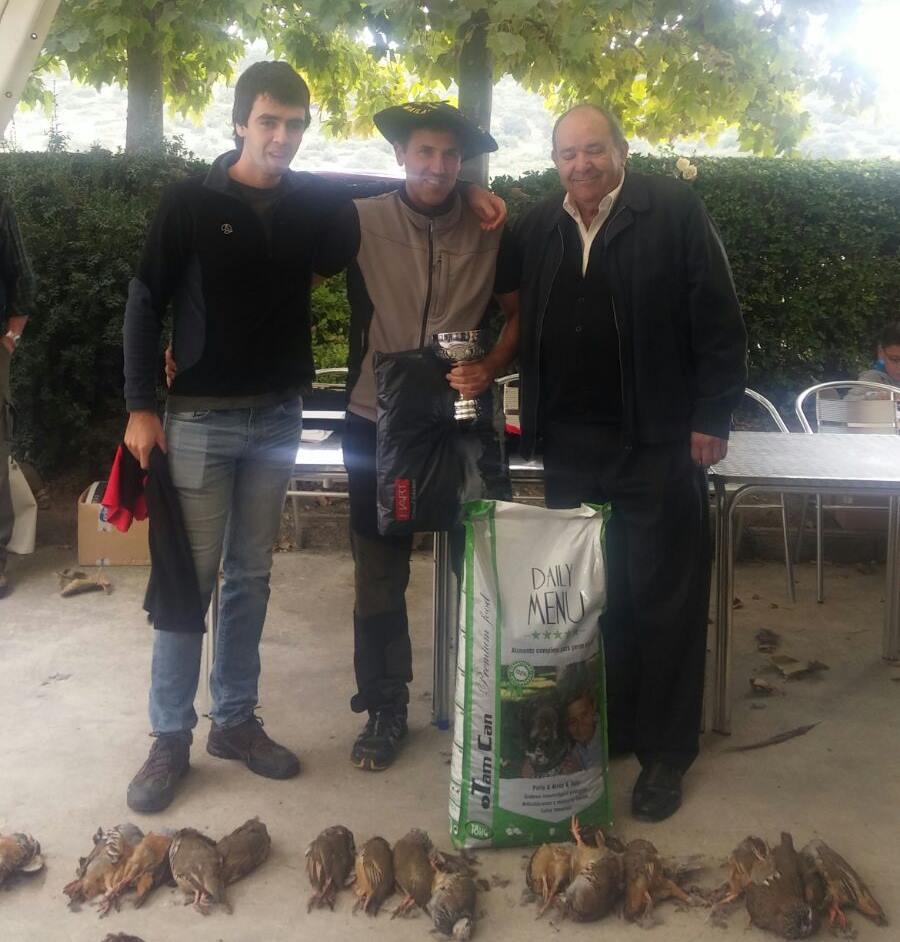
{"points": [[887, 369]]}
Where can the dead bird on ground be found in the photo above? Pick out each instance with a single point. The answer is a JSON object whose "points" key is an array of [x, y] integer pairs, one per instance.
{"points": [[100, 871], [243, 850], [840, 887], [776, 902], [329, 864], [197, 869], [452, 905], [145, 869], [374, 875], [413, 870], [19, 853], [549, 872], [646, 882], [595, 891]]}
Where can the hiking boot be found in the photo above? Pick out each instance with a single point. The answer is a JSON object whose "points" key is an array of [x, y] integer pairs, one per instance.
{"points": [[154, 786], [376, 746], [248, 742]]}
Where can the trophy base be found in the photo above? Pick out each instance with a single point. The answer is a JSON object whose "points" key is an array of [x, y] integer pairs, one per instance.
{"points": [[465, 410]]}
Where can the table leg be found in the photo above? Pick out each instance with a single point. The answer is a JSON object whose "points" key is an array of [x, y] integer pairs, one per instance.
{"points": [[724, 610], [444, 611], [891, 641]]}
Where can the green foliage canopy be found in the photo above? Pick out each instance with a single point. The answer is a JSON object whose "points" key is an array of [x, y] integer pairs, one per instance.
{"points": [[669, 67], [199, 42]]}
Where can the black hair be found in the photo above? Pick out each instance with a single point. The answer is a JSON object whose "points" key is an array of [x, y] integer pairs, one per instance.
{"points": [[890, 335], [275, 79], [615, 128]]}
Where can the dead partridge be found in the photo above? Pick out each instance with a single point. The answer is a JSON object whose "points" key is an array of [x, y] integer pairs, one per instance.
{"points": [[243, 850], [645, 881], [596, 890], [197, 869], [374, 875], [776, 902], [413, 871], [146, 868], [548, 873], [749, 857], [843, 886], [583, 853], [329, 864], [100, 870], [19, 853], [452, 905]]}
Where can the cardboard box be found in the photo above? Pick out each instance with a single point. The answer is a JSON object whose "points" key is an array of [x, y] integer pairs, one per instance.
{"points": [[100, 543]]}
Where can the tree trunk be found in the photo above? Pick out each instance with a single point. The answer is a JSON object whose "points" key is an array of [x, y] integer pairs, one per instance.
{"points": [[476, 85], [144, 125]]}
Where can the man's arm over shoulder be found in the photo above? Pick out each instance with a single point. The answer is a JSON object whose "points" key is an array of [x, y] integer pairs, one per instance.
{"points": [[339, 241], [163, 262], [718, 337]]}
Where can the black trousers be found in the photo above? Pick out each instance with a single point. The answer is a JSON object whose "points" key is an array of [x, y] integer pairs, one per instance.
{"points": [[382, 653], [658, 558]]}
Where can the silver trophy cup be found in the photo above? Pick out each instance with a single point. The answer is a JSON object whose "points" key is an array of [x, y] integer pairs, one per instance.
{"points": [[462, 346]]}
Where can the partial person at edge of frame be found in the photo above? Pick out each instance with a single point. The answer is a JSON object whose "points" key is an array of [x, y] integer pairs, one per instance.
{"points": [[16, 306]]}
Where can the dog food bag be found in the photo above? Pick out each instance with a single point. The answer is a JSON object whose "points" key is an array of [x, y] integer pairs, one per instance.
{"points": [[529, 741]]}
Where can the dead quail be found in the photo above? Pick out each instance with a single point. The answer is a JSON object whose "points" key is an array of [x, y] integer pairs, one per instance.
{"points": [[243, 850], [583, 854], [452, 905], [549, 872], [147, 868], [842, 887], [374, 875], [413, 870], [645, 881], [197, 869], [595, 890], [19, 853], [777, 902], [329, 864], [100, 870]]}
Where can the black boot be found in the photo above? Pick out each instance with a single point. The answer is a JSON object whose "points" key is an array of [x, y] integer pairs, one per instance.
{"points": [[376, 746]]}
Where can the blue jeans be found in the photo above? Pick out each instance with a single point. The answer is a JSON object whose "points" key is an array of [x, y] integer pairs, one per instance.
{"points": [[231, 469]]}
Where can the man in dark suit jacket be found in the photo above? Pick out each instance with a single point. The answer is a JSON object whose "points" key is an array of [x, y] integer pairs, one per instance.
{"points": [[633, 356]]}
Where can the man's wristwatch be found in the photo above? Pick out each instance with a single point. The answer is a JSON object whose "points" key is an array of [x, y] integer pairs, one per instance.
{"points": [[15, 338]]}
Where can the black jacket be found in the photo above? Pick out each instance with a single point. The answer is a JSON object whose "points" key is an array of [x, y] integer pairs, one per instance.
{"points": [[682, 342], [240, 300]]}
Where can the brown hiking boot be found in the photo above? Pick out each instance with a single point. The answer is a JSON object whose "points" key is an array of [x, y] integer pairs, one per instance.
{"points": [[248, 742], [154, 786]]}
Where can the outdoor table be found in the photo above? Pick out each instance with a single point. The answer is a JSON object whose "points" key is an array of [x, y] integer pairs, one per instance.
{"points": [[797, 464]]}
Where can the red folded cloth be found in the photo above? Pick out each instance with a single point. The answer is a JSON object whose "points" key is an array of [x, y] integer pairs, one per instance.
{"points": [[124, 496]]}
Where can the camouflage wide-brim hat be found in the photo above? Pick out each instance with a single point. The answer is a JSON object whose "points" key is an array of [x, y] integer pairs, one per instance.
{"points": [[398, 122]]}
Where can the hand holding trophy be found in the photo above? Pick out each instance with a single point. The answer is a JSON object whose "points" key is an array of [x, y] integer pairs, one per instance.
{"points": [[462, 346]]}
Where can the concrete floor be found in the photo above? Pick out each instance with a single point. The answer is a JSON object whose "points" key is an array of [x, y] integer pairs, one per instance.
{"points": [[73, 677]]}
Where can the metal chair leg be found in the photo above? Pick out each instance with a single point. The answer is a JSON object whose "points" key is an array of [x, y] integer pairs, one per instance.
{"points": [[788, 562], [798, 546], [820, 548]]}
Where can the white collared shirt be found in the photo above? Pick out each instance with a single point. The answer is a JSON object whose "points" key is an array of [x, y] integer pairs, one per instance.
{"points": [[588, 233]]}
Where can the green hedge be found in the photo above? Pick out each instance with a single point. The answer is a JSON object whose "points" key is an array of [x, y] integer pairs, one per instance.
{"points": [[815, 248]]}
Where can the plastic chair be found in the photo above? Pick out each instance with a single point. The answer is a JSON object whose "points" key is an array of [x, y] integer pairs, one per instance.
{"points": [[773, 413], [866, 409]]}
